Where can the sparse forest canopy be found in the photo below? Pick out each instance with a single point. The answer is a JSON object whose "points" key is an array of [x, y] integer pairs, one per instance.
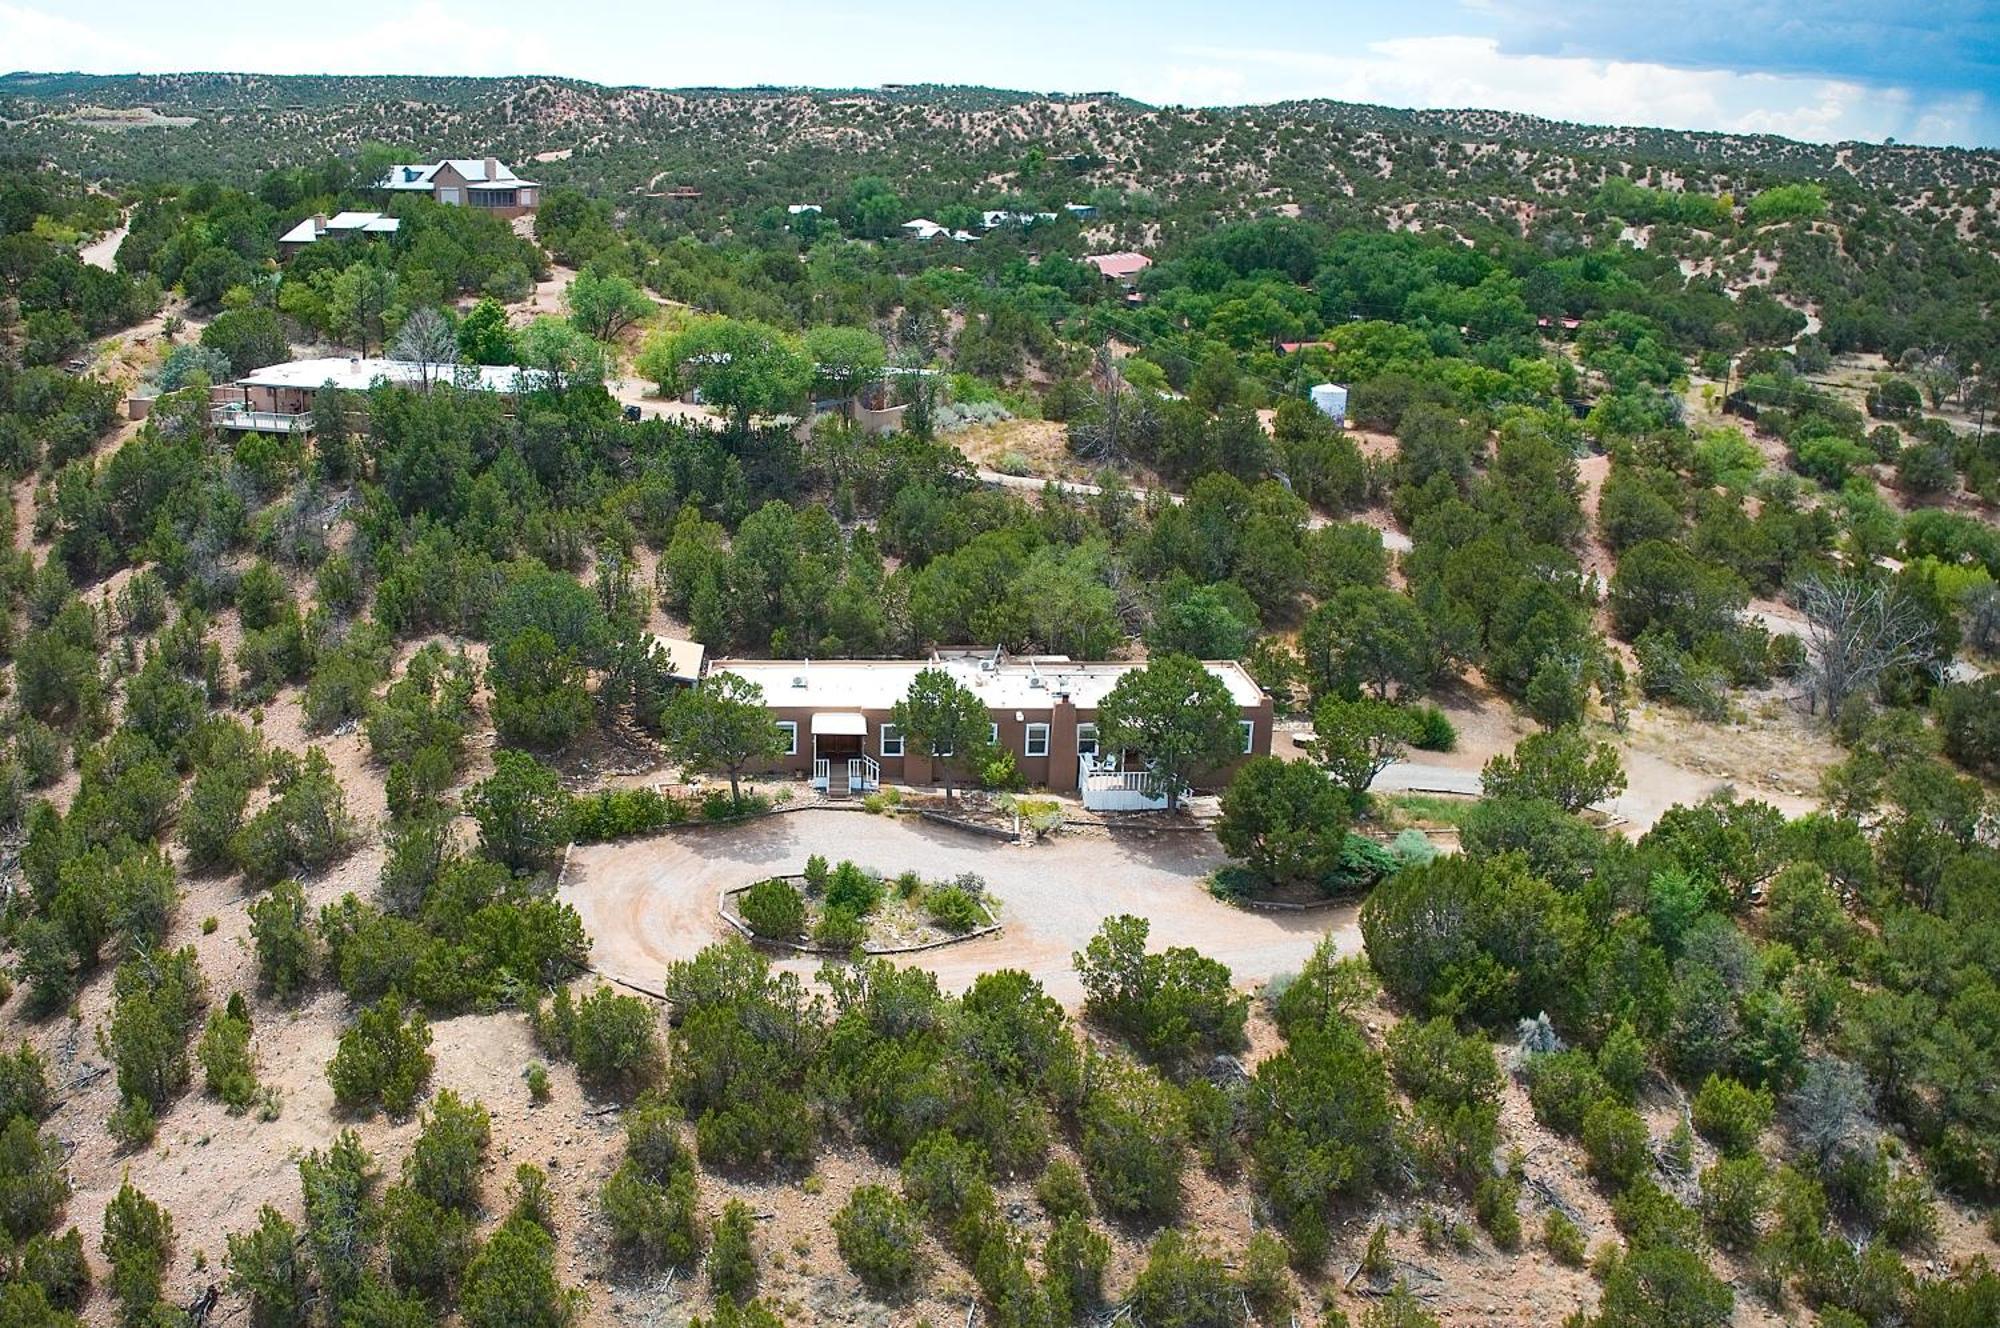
{"points": [[1641, 429]]}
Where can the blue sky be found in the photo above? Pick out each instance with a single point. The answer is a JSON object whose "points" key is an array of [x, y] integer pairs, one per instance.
{"points": [[1866, 69]]}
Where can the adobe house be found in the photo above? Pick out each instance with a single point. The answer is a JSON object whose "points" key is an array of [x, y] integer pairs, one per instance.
{"points": [[478, 182], [834, 717]]}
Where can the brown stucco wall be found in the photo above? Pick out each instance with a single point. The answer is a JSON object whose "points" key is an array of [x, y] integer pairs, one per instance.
{"points": [[1056, 771]]}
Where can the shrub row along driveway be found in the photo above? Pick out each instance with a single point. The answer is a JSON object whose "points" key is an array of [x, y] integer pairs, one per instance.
{"points": [[649, 902]]}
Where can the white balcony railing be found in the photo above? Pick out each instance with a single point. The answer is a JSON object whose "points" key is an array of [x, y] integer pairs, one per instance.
{"points": [[260, 421]]}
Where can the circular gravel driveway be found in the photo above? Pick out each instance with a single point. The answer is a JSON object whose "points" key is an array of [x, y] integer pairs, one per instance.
{"points": [[649, 902]]}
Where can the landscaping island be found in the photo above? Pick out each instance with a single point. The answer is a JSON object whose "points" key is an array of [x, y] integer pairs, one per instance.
{"points": [[838, 909]]}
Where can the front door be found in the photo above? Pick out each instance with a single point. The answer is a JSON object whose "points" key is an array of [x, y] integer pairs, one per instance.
{"points": [[836, 749]]}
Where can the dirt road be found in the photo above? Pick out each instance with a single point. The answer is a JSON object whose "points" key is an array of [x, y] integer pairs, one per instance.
{"points": [[649, 902], [103, 251]]}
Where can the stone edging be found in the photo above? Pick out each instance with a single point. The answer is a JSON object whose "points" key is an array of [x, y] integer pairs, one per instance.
{"points": [[742, 929], [1283, 906], [1135, 827], [970, 827]]}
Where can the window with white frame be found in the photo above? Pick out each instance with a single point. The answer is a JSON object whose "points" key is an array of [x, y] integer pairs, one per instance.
{"points": [[1086, 740], [892, 740], [992, 735], [788, 733], [1249, 728], [1038, 740]]}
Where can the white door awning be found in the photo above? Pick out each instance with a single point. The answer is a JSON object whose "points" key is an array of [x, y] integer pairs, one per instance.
{"points": [[840, 724]]}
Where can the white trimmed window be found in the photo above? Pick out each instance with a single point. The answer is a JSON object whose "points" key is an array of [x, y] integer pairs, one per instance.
{"points": [[892, 740], [788, 731], [992, 735], [1086, 740], [1038, 740], [1249, 728]]}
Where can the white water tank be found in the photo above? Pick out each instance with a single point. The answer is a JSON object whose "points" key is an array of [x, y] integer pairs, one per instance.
{"points": [[1331, 398]]}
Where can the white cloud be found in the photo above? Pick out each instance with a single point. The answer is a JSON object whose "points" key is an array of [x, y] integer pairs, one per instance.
{"points": [[1454, 72], [35, 39], [430, 37]]}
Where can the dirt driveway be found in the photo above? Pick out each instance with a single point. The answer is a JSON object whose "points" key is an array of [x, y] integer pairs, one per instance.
{"points": [[646, 903]]}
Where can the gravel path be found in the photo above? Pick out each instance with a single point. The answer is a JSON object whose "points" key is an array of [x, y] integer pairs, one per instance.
{"points": [[646, 903]]}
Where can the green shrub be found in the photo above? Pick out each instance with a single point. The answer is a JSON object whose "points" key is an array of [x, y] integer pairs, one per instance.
{"points": [[512, 1282], [444, 1163], [878, 1237], [1734, 1195], [56, 1264], [264, 1265], [655, 1223], [537, 1076], [1623, 1061], [1183, 1287], [717, 805], [1434, 731], [653, 1138], [1562, 1087], [774, 909], [620, 813], [853, 889], [1132, 1140], [840, 929], [1731, 1115], [226, 1062], [1564, 1239], [1176, 1006], [1615, 1143], [945, 1178], [954, 909], [614, 1040], [383, 1059], [1062, 1191], [1266, 1280], [24, 1084], [1214, 1115], [428, 1245], [281, 926], [33, 1184], [732, 1258], [1073, 1260], [138, 1240], [1497, 1201]]}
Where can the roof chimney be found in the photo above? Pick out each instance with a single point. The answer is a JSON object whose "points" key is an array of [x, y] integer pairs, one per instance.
{"points": [[319, 223], [492, 169]]}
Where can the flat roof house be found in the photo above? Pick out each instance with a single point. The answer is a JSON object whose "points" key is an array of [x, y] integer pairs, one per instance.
{"points": [[834, 715], [319, 226], [479, 182], [279, 398]]}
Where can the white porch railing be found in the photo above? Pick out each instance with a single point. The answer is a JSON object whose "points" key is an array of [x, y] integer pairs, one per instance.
{"points": [[862, 774], [259, 421], [1105, 788]]}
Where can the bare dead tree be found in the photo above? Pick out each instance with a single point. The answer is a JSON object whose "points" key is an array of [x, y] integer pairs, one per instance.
{"points": [[1101, 436], [426, 340], [1857, 630]]}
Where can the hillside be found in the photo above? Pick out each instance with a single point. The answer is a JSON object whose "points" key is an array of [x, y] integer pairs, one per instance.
{"points": [[1611, 936], [753, 139]]}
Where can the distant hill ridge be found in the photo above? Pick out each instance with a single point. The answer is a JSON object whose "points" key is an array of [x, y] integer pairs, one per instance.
{"points": [[297, 117]]}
